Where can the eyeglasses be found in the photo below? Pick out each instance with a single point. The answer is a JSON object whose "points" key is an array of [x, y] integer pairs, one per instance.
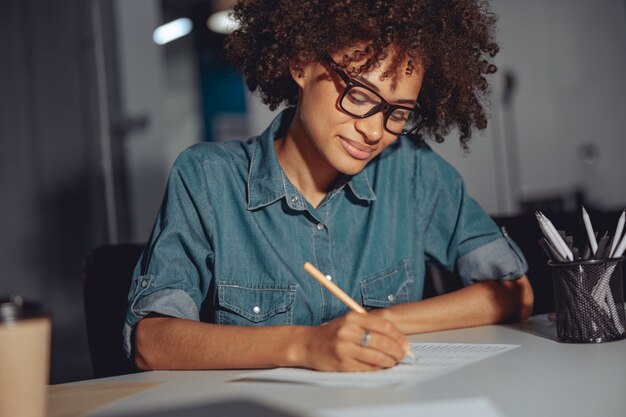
{"points": [[360, 101]]}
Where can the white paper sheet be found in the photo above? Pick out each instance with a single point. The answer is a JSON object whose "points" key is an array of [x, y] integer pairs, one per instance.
{"points": [[466, 407], [432, 359]]}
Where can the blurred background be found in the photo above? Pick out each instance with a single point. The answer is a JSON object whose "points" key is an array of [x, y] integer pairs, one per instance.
{"points": [[97, 98]]}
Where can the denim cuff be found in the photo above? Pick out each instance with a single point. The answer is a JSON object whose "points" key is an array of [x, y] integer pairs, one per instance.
{"points": [[169, 302], [498, 259]]}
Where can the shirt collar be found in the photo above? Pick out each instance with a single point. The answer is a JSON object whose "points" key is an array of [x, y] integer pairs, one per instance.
{"points": [[266, 181], [265, 176], [361, 188]]}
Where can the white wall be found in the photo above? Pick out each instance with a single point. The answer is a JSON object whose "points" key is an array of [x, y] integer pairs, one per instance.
{"points": [[141, 75], [182, 102], [569, 58]]}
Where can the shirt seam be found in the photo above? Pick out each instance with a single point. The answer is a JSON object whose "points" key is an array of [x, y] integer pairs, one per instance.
{"points": [[312, 229]]}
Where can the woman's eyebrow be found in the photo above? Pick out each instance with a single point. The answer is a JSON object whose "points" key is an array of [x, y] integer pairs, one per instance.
{"points": [[375, 88]]}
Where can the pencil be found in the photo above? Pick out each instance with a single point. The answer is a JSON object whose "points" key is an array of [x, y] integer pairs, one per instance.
{"points": [[339, 293]]}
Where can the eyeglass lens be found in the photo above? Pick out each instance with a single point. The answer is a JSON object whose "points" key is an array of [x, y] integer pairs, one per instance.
{"points": [[359, 101]]}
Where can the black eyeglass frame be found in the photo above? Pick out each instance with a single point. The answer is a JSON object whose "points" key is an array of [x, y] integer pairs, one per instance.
{"points": [[384, 106]]}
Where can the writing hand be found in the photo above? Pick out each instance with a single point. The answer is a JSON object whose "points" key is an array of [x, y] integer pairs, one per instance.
{"points": [[337, 345]]}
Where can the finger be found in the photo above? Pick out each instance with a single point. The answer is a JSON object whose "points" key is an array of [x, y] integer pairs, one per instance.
{"points": [[355, 365], [379, 325], [374, 357], [354, 335], [383, 344]]}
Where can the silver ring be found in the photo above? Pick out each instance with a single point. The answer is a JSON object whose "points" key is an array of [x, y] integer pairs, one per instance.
{"points": [[365, 339]]}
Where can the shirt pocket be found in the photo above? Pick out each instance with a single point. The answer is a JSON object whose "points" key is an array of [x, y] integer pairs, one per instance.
{"points": [[394, 285], [255, 305]]}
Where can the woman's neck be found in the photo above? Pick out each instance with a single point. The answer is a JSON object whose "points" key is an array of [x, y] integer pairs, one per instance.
{"points": [[306, 169]]}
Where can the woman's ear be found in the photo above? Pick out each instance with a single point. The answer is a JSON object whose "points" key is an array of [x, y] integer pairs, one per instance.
{"points": [[297, 73]]}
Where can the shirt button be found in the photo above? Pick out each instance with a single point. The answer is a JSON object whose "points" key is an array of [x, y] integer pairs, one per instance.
{"points": [[256, 309], [391, 297], [328, 277], [294, 199], [320, 226], [144, 283]]}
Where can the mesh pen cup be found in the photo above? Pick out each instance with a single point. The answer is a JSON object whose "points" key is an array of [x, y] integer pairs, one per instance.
{"points": [[589, 300]]}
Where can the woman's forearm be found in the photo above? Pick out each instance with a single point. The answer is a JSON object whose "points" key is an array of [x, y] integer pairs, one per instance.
{"points": [[172, 343], [482, 303]]}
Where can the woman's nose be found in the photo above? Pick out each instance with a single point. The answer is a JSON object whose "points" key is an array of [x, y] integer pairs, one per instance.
{"points": [[372, 127]]}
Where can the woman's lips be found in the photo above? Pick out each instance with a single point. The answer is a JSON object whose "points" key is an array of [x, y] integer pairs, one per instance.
{"points": [[356, 150]]}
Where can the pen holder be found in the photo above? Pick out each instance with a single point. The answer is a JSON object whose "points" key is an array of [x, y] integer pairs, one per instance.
{"points": [[589, 300]]}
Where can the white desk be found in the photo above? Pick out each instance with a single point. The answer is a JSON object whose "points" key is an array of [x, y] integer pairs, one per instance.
{"points": [[540, 378]]}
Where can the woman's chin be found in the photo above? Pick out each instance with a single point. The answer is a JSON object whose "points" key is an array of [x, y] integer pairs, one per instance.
{"points": [[352, 167]]}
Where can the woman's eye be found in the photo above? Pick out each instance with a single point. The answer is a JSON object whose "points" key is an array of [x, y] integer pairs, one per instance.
{"points": [[398, 117], [358, 98]]}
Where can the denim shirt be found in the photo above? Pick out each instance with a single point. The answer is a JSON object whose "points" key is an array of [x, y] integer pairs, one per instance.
{"points": [[233, 234]]}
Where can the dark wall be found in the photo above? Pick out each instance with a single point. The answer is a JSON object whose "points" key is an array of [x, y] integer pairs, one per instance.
{"points": [[51, 193]]}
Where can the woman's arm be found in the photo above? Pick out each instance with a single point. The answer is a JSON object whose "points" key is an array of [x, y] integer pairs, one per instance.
{"points": [[172, 343], [485, 302]]}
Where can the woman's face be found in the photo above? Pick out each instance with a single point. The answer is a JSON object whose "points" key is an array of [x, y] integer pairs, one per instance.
{"points": [[337, 140]]}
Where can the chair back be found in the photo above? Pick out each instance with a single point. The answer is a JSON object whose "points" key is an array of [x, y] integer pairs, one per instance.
{"points": [[107, 273]]}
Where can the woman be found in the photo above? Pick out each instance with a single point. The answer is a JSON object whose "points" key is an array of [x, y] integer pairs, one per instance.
{"points": [[340, 179]]}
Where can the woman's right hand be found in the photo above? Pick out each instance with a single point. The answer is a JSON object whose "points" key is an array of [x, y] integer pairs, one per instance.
{"points": [[336, 345]]}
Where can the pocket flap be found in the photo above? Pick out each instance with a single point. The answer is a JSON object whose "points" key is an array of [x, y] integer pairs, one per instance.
{"points": [[256, 303], [388, 287]]}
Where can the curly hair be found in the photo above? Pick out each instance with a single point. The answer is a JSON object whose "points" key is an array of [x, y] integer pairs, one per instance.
{"points": [[451, 40]]}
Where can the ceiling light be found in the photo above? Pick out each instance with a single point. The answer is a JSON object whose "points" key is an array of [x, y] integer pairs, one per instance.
{"points": [[171, 31], [222, 22]]}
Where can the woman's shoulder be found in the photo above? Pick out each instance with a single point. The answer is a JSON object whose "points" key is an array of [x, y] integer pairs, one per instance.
{"points": [[418, 155], [431, 162], [204, 153]]}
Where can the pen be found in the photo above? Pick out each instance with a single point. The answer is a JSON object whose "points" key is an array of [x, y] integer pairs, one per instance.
{"points": [[339, 293], [590, 232], [547, 233], [557, 237], [619, 251], [551, 250], [618, 233], [553, 236]]}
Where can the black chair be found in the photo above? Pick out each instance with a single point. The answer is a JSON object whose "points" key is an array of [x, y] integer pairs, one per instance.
{"points": [[107, 273]]}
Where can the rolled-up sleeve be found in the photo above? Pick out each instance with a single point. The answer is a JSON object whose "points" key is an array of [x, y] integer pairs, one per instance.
{"points": [[461, 237], [498, 259], [172, 275]]}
